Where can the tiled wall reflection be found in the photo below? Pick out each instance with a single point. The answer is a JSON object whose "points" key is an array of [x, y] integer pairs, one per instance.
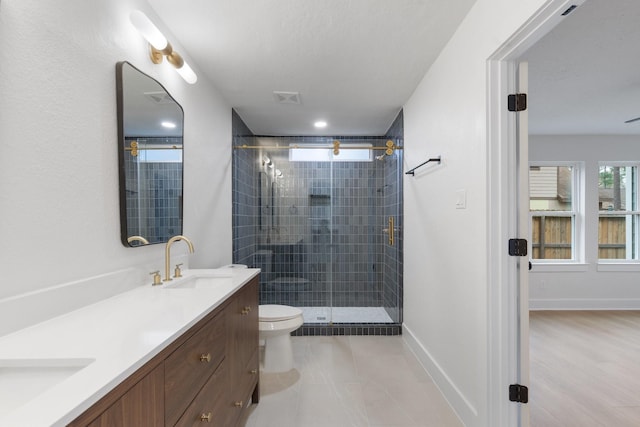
{"points": [[154, 194]]}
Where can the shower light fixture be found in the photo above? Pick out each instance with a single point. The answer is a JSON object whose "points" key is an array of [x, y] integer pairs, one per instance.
{"points": [[168, 125], [160, 46], [320, 124]]}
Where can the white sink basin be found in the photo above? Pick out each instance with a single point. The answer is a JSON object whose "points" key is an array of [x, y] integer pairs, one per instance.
{"points": [[208, 280], [21, 380]]}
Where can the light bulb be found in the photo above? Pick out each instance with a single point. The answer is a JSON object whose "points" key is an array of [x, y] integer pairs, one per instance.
{"points": [[187, 73], [148, 30]]}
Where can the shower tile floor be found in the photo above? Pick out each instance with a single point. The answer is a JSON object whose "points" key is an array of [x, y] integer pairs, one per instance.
{"points": [[355, 381], [345, 315]]}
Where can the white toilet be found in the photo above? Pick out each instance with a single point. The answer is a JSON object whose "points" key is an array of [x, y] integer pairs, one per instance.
{"points": [[276, 324]]}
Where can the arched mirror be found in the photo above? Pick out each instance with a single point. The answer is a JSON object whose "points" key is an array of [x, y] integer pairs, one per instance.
{"points": [[150, 124]]}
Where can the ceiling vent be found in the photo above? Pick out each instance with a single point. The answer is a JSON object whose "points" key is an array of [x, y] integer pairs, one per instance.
{"points": [[159, 97], [287, 97]]}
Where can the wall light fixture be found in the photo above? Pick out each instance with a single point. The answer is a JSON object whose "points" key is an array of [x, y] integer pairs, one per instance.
{"points": [[160, 47]]}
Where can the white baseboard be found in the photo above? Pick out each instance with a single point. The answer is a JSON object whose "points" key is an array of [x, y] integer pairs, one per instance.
{"points": [[585, 304], [465, 411]]}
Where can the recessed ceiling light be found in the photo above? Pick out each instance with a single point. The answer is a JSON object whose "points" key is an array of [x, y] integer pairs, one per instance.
{"points": [[169, 125], [320, 124]]}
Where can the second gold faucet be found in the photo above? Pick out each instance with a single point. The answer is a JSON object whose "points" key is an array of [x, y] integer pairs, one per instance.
{"points": [[167, 254]]}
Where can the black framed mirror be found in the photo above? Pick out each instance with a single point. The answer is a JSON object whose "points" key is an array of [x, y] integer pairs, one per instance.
{"points": [[150, 148]]}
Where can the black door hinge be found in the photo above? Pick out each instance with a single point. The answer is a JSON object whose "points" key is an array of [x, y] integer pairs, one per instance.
{"points": [[517, 102], [518, 393], [518, 247]]}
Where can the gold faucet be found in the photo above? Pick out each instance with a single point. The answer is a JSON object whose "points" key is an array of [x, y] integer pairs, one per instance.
{"points": [[167, 251]]}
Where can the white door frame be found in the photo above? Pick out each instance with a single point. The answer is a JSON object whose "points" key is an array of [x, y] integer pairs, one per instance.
{"points": [[502, 280]]}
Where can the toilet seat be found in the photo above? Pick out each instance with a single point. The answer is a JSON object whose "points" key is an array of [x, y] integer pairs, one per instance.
{"points": [[277, 313]]}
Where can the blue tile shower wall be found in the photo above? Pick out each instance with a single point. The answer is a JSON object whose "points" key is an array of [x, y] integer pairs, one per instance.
{"points": [[323, 235], [154, 194], [244, 194], [316, 230]]}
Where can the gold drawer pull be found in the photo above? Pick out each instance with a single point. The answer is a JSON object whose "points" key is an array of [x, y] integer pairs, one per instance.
{"points": [[238, 404], [205, 417], [247, 308], [244, 312], [254, 371], [205, 357]]}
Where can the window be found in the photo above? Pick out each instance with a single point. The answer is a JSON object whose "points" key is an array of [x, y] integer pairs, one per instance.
{"points": [[552, 206], [618, 212], [159, 152], [347, 153]]}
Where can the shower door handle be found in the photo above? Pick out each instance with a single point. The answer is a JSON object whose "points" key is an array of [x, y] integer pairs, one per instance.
{"points": [[391, 231]]}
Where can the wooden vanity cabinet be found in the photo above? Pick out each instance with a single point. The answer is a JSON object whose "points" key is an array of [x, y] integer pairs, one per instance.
{"points": [[127, 410], [208, 376], [242, 351], [210, 406], [189, 367]]}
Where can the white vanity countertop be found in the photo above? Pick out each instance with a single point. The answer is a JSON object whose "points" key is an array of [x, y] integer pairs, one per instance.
{"points": [[119, 335]]}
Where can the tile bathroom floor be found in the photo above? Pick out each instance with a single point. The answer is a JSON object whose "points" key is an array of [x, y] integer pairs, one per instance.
{"points": [[351, 381]]}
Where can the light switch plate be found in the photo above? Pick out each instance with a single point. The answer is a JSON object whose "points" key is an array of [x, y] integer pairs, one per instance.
{"points": [[461, 199]]}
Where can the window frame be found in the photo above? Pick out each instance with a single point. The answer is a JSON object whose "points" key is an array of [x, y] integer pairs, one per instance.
{"points": [[633, 245], [351, 152], [576, 213]]}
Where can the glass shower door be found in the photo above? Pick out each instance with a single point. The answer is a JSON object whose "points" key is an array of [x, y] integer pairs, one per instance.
{"points": [[318, 305], [392, 246], [366, 240], [328, 231]]}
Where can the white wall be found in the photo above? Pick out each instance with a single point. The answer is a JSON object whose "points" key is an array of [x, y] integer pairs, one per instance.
{"points": [[59, 206], [593, 286], [445, 252]]}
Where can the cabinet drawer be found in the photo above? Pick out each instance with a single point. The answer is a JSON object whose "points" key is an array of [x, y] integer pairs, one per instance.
{"points": [[128, 412], [249, 377], [243, 386], [190, 366], [246, 339], [209, 408]]}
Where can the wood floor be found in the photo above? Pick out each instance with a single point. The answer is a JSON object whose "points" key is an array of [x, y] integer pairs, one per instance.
{"points": [[351, 381], [585, 368]]}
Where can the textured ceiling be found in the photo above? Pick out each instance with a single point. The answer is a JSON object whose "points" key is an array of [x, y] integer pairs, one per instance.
{"points": [[354, 63], [584, 76]]}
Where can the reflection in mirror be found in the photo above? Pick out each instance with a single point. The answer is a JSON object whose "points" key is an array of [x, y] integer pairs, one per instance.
{"points": [[264, 201], [269, 195], [150, 159]]}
